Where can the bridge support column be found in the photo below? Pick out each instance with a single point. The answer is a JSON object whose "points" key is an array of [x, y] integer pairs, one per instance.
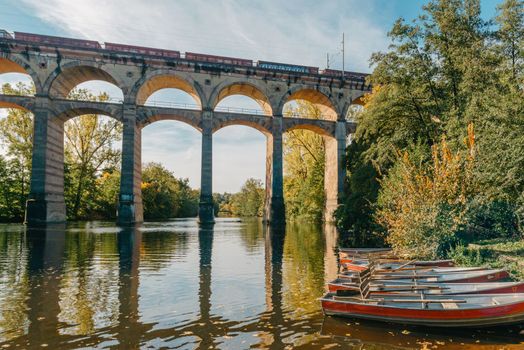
{"points": [[46, 203], [206, 214], [130, 209], [274, 212], [335, 170]]}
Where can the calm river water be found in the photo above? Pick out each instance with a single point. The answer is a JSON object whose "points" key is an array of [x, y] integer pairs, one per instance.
{"points": [[173, 285]]}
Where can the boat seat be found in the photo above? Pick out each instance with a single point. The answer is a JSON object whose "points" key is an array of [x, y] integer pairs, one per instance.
{"points": [[449, 306]]}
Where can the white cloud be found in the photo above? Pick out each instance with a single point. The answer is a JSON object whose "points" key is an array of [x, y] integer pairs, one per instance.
{"points": [[296, 31]]}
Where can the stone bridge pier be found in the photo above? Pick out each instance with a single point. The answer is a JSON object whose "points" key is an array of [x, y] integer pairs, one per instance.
{"points": [[56, 69]]}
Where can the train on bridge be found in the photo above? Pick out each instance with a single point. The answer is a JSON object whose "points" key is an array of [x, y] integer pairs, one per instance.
{"points": [[172, 54]]}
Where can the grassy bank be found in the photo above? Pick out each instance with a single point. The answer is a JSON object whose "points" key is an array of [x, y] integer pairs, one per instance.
{"points": [[496, 253]]}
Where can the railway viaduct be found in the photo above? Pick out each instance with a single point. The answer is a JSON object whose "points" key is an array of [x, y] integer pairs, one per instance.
{"points": [[56, 69]]}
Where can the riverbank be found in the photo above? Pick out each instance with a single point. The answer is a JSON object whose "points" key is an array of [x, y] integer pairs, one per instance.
{"points": [[496, 253]]}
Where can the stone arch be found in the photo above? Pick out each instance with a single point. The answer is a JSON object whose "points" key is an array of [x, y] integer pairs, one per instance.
{"points": [[164, 79], [67, 113], [13, 64], [322, 100], [66, 77], [262, 127], [25, 103], [149, 117], [244, 89], [311, 127]]}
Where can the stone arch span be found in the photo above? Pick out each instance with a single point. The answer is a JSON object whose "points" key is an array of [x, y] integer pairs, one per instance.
{"points": [[188, 117], [318, 128], [164, 79], [66, 78], [13, 64], [243, 89], [320, 99], [64, 114], [25, 103], [262, 124]]}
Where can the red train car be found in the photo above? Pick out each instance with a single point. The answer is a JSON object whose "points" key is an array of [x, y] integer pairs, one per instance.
{"points": [[142, 50], [56, 40], [338, 73], [287, 67], [218, 59]]}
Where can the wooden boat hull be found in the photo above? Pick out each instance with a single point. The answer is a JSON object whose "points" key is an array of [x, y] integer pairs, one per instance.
{"points": [[466, 277], [351, 264], [446, 288], [507, 313]]}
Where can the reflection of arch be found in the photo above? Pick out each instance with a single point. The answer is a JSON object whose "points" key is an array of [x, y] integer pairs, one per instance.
{"points": [[243, 89], [262, 124], [64, 79], [318, 98], [16, 65], [163, 79], [189, 117]]}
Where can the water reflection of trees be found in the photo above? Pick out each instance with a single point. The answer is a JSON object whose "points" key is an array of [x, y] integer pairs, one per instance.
{"points": [[14, 285], [160, 249], [303, 269], [56, 303], [88, 298]]}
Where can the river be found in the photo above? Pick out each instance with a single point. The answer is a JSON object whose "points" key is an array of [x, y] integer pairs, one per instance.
{"points": [[172, 285]]}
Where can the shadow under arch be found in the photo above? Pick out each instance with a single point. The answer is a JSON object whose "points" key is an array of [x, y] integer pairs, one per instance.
{"points": [[13, 64], [243, 89], [66, 78], [163, 79], [319, 99]]}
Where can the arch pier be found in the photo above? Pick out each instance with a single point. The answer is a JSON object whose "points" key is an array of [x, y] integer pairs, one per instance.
{"points": [[55, 69]]}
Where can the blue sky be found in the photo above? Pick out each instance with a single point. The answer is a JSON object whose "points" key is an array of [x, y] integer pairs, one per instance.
{"points": [[291, 31]]}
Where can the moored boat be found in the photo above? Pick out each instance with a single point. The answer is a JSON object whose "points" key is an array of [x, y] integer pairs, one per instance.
{"points": [[359, 264], [479, 276], [399, 287], [433, 310]]}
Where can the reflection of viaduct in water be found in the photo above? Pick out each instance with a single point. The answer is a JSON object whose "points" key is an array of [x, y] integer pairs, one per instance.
{"points": [[47, 252], [56, 69], [46, 268]]}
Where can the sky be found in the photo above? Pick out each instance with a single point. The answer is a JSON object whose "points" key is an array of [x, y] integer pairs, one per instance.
{"points": [[292, 31]]}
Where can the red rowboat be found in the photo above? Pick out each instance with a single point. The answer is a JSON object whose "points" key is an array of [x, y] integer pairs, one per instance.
{"points": [[394, 287], [434, 310]]}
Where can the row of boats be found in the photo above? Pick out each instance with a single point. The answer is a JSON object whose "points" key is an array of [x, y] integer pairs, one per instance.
{"points": [[375, 285]]}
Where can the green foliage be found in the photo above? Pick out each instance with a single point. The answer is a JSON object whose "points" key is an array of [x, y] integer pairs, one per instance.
{"points": [[249, 202], [355, 215], [16, 135], [164, 196], [88, 149], [304, 157], [447, 69]]}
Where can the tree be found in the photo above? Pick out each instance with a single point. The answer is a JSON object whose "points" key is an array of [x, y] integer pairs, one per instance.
{"points": [[89, 148], [304, 158], [444, 71], [16, 134], [164, 196]]}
